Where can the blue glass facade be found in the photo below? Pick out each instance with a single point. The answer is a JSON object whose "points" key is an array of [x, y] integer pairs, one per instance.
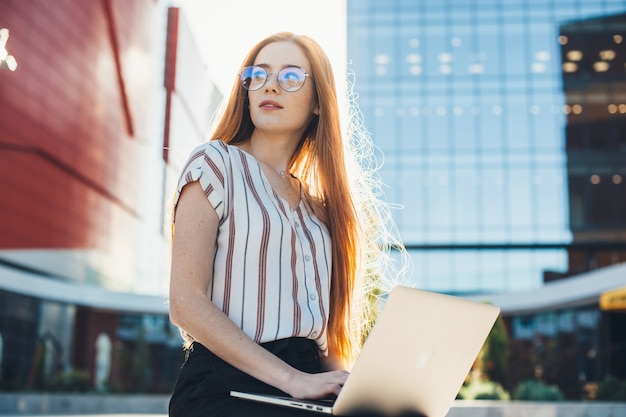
{"points": [[473, 106]]}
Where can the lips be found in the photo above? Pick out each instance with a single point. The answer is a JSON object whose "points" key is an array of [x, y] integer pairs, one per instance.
{"points": [[269, 104]]}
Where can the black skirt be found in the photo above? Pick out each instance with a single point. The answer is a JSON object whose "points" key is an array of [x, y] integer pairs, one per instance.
{"points": [[205, 381]]}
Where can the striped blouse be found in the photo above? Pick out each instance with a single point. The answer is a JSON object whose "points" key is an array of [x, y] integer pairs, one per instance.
{"points": [[272, 267]]}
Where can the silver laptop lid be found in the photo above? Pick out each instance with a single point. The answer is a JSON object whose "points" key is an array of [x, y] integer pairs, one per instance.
{"points": [[418, 354]]}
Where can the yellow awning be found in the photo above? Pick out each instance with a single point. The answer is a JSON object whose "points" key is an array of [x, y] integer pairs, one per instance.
{"points": [[613, 300]]}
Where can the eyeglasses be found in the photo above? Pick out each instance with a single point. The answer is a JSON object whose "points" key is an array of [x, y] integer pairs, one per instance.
{"points": [[289, 79]]}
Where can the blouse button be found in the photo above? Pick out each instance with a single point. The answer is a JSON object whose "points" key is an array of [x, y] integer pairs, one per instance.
{"points": [[313, 296], [297, 224], [307, 257], [314, 334]]}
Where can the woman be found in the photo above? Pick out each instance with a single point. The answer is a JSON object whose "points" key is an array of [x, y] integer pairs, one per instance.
{"points": [[267, 241]]}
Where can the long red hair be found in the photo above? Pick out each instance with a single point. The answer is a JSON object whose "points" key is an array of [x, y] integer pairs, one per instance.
{"points": [[319, 164]]}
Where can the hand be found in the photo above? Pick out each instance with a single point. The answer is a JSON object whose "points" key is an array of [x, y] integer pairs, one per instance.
{"points": [[316, 386]]}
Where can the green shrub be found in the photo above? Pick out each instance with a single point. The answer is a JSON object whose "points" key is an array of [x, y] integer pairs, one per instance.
{"points": [[536, 390], [74, 380], [611, 389], [482, 390], [495, 354]]}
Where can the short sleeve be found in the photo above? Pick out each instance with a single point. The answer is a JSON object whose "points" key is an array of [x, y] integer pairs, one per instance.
{"points": [[207, 165]]}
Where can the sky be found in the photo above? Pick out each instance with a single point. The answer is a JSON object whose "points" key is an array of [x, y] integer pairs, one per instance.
{"points": [[226, 30]]}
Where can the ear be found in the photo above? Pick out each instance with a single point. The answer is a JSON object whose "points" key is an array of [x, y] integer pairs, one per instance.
{"points": [[316, 111]]}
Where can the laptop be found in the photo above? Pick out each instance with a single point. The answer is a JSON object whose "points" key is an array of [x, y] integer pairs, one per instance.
{"points": [[415, 359]]}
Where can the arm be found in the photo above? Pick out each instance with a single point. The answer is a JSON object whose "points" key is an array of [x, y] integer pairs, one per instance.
{"points": [[191, 309]]}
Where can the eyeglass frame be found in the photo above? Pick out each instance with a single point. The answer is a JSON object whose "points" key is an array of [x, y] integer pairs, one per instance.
{"points": [[276, 73]]}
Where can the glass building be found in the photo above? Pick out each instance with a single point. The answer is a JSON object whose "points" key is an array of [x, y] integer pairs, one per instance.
{"points": [[503, 130], [502, 125]]}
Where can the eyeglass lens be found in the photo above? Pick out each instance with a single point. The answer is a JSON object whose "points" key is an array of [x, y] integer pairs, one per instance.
{"points": [[289, 79]]}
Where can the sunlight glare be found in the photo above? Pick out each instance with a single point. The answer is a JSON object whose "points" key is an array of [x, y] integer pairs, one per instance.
{"points": [[225, 34]]}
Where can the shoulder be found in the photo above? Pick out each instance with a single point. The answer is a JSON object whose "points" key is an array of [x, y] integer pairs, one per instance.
{"points": [[211, 148], [209, 164], [214, 154]]}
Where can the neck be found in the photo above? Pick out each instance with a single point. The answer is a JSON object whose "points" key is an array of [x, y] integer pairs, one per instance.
{"points": [[273, 151]]}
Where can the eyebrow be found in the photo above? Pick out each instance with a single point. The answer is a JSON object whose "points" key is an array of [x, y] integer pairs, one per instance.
{"points": [[266, 66]]}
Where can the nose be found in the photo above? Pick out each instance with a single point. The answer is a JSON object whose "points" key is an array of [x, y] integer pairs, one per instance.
{"points": [[272, 82]]}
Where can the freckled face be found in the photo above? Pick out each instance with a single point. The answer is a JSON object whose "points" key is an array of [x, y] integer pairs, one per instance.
{"points": [[274, 110]]}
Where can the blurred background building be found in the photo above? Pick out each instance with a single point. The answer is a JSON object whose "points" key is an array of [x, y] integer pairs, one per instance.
{"points": [[97, 96], [502, 125], [502, 128]]}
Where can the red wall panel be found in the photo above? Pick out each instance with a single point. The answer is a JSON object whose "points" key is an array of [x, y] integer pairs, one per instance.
{"points": [[65, 142]]}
